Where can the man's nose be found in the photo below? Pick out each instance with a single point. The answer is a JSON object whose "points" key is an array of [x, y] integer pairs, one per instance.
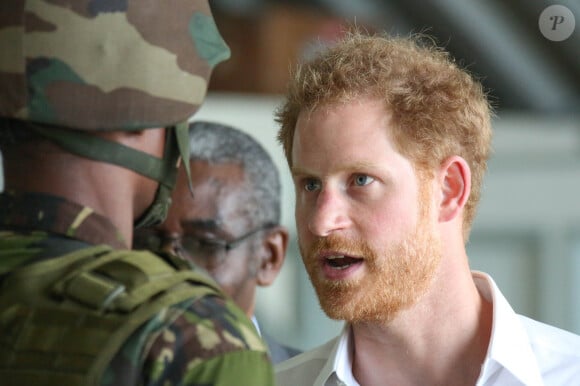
{"points": [[330, 213]]}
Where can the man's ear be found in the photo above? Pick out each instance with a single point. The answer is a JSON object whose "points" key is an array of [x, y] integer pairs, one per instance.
{"points": [[273, 254], [455, 183]]}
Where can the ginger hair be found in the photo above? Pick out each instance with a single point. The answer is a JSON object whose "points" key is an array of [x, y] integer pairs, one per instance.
{"points": [[437, 108]]}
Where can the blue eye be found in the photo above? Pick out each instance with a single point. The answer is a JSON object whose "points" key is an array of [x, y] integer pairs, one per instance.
{"points": [[311, 185], [362, 180]]}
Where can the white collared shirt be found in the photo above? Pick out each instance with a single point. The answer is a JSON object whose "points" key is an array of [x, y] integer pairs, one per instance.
{"points": [[255, 321], [521, 352]]}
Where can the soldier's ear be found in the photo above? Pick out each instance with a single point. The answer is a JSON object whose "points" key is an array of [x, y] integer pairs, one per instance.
{"points": [[273, 252]]}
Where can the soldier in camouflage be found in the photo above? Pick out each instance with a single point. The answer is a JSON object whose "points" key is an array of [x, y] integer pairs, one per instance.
{"points": [[94, 102]]}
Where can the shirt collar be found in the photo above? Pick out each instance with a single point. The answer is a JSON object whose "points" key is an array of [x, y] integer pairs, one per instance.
{"points": [[509, 347], [339, 363], [343, 363], [255, 321]]}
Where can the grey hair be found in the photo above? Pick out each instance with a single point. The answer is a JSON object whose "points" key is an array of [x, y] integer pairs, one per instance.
{"points": [[217, 143]]}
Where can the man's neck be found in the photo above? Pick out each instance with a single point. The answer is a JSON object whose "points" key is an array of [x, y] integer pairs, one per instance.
{"points": [[95, 186], [442, 340]]}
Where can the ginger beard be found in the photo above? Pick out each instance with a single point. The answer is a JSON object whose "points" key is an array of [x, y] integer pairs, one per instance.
{"points": [[395, 279]]}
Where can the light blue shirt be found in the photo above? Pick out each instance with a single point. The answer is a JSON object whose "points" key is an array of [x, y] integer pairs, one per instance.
{"points": [[521, 352]]}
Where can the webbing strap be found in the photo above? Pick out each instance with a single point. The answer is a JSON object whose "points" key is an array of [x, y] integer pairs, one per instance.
{"points": [[182, 139], [110, 282], [99, 149]]}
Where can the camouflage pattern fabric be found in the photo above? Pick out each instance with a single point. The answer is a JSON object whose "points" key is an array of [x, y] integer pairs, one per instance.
{"points": [[206, 341], [203, 343], [117, 64]]}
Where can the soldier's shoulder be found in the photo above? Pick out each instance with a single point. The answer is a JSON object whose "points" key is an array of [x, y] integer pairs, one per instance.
{"points": [[213, 323], [194, 339], [202, 336]]}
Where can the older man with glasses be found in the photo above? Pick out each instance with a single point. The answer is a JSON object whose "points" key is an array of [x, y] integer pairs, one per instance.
{"points": [[230, 228]]}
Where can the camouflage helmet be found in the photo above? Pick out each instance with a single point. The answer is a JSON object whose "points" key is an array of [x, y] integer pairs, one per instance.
{"points": [[106, 65], [109, 65]]}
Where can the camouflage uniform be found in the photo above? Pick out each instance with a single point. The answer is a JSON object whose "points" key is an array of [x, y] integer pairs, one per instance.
{"points": [[110, 65]]}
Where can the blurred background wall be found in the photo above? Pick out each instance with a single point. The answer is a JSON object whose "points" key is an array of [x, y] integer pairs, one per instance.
{"points": [[527, 233]]}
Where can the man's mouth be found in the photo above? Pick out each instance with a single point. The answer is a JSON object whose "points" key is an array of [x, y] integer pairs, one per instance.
{"points": [[342, 261]]}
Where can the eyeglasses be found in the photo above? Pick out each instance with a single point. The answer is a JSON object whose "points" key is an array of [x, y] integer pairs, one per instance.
{"points": [[205, 252]]}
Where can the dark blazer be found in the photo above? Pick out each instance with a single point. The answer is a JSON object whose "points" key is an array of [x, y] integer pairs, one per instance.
{"points": [[279, 352]]}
